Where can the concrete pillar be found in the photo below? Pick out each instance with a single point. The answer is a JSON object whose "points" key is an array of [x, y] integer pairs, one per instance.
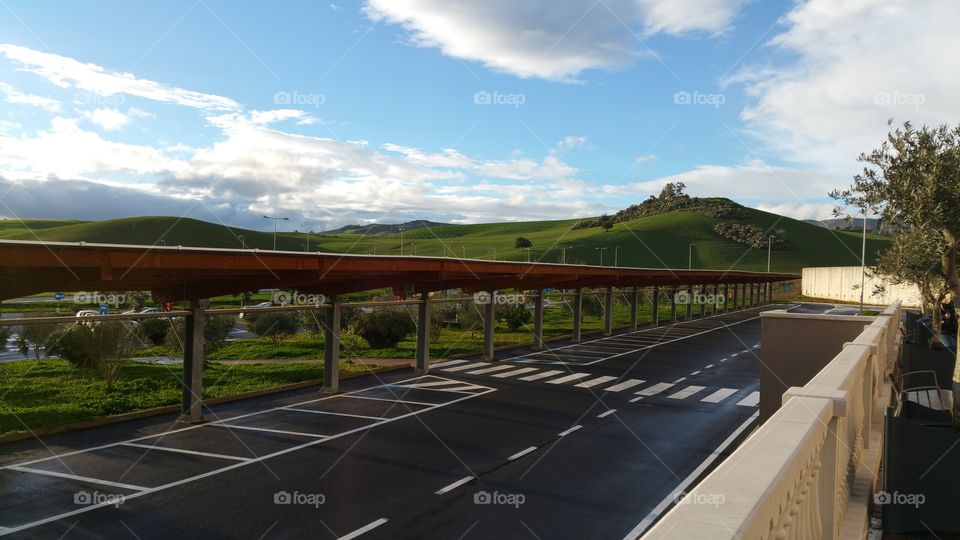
{"points": [[689, 314], [716, 299], [752, 288], [423, 335], [331, 348], [191, 409], [735, 299], [538, 321], [489, 323], [608, 312], [655, 305], [703, 306], [577, 313], [634, 304], [673, 305]]}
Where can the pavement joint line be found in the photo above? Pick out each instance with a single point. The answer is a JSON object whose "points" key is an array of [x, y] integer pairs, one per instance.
{"points": [[365, 529], [569, 431], [185, 451], [233, 466], [522, 453], [605, 414], [671, 498], [268, 430], [198, 426], [295, 409], [450, 487], [79, 478]]}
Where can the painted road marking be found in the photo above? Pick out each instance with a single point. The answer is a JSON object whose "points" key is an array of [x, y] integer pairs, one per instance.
{"points": [[280, 431], [78, 478], [468, 366], [515, 372], [568, 378], [522, 453], [427, 384], [453, 486], [185, 451], [655, 389], [312, 411], [708, 366], [490, 369], [686, 392], [542, 375], [605, 414], [447, 363], [364, 529], [594, 382], [569, 431], [681, 379], [624, 385], [750, 401], [407, 401], [719, 395], [695, 373]]}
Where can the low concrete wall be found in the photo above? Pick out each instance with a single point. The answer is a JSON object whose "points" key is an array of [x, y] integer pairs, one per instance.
{"points": [[842, 283], [791, 356]]}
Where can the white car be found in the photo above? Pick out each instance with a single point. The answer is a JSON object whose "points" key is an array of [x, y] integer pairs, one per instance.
{"points": [[260, 305]]}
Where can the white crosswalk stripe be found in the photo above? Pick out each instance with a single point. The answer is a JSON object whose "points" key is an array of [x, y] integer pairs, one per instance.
{"points": [[624, 385], [655, 389], [750, 401], [468, 366], [541, 375], [447, 363], [594, 382], [514, 373], [568, 378], [719, 395], [490, 369], [686, 392]]}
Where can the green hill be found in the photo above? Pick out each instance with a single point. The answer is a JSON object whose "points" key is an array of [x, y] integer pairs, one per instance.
{"points": [[656, 241]]}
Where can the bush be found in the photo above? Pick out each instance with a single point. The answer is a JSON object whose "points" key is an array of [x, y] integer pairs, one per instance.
{"points": [[215, 331], [104, 347], [38, 337], [275, 325], [74, 346], [384, 327], [752, 236], [515, 315], [153, 331]]}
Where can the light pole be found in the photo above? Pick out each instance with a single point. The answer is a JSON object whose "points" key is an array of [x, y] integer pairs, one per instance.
{"points": [[275, 220], [401, 241], [414, 244], [690, 258], [494, 253], [308, 240], [600, 249], [769, 242], [243, 244], [563, 255], [464, 247], [616, 253]]}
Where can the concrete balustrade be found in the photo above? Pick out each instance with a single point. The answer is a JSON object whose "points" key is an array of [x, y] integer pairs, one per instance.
{"points": [[809, 470]]}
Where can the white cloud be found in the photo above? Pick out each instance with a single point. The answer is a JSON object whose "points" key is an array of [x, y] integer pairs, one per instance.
{"points": [[108, 119], [16, 97], [857, 64], [569, 143], [549, 39], [645, 158], [69, 73]]}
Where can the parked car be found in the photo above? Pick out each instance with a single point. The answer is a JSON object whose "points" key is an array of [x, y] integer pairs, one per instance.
{"points": [[83, 313], [258, 306]]}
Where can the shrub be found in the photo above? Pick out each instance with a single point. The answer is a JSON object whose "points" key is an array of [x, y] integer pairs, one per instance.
{"points": [[38, 338], [153, 331], [104, 347], [215, 331], [384, 328], [751, 235], [275, 325], [515, 315]]}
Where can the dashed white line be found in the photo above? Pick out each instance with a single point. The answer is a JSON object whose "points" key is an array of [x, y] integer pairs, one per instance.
{"points": [[606, 414], [719, 395], [541, 375], [522, 453], [569, 431], [624, 385], [455, 485], [681, 379], [364, 529], [568, 378], [686, 392]]}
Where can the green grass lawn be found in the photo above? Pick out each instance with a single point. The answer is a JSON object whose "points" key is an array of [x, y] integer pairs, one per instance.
{"points": [[51, 392]]}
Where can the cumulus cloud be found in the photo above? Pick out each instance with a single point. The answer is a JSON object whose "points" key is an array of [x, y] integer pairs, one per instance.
{"points": [[549, 39], [17, 97], [108, 119]]}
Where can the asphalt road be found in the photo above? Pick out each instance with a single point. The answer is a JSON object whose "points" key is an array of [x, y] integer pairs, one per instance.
{"points": [[586, 441]]}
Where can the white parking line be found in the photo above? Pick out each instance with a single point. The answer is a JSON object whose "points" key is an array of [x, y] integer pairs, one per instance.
{"points": [[686, 392], [750, 401], [624, 385], [568, 378], [185, 451], [655, 389], [427, 384], [490, 369], [313, 411], [719, 395], [78, 478], [569, 431], [594, 382], [541, 375], [407, 401], [514, 373], [453, 486], [605, 414], [364, 529], [522, 453], [280, 431]]}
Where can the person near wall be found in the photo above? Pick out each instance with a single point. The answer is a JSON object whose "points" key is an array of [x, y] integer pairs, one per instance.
{"points": [[948, 328]]}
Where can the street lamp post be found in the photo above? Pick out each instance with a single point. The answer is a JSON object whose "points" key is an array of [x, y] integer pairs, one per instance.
{"points": [[690, 257], [308, 240], [243, 244], [275, 220], [600, 249], [401, 241], [616, 253]]}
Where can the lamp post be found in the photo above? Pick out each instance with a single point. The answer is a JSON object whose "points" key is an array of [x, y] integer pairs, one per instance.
{"points": [[401, 241], [243, 244], [616, 253], [414, 244], [600, 249], [308, 240], [494, 253], [275, 220], [769, 242], [690, 257]]}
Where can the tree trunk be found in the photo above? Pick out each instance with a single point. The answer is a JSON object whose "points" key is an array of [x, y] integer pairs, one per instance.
{"points": [[949, 264]]}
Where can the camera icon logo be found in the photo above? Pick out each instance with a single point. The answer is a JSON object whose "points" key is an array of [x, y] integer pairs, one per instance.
{"points": [[482, 497], [882, 497], [82, 497], [682, 98], [282, 497], [482, 297], [281, 298], [682, 297], [482, 98], [281, 98]]}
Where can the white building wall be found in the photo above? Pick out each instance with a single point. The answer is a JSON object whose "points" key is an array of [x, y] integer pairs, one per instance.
{"points": [[842, 283]]}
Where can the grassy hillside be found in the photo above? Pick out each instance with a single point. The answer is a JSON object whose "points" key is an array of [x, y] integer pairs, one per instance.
{"points": [[656, 241]]}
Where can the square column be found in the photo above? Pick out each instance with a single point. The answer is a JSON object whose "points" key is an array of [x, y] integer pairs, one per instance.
{"points": [[538, 321], [608, 312], [191, 409], [655, 305], [577, 313], [634, 304], [423, 335], [331, 348], [673, 305], [489, 322]]}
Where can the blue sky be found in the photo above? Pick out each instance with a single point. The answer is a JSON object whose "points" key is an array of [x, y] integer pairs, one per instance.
{"points": [[453, 110]]}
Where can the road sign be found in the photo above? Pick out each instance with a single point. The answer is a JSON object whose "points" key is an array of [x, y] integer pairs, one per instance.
{"points": [[104, 309], [58, 296]]}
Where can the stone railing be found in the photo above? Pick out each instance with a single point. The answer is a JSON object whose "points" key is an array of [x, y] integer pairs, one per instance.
{"points": [[808, 471]]}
